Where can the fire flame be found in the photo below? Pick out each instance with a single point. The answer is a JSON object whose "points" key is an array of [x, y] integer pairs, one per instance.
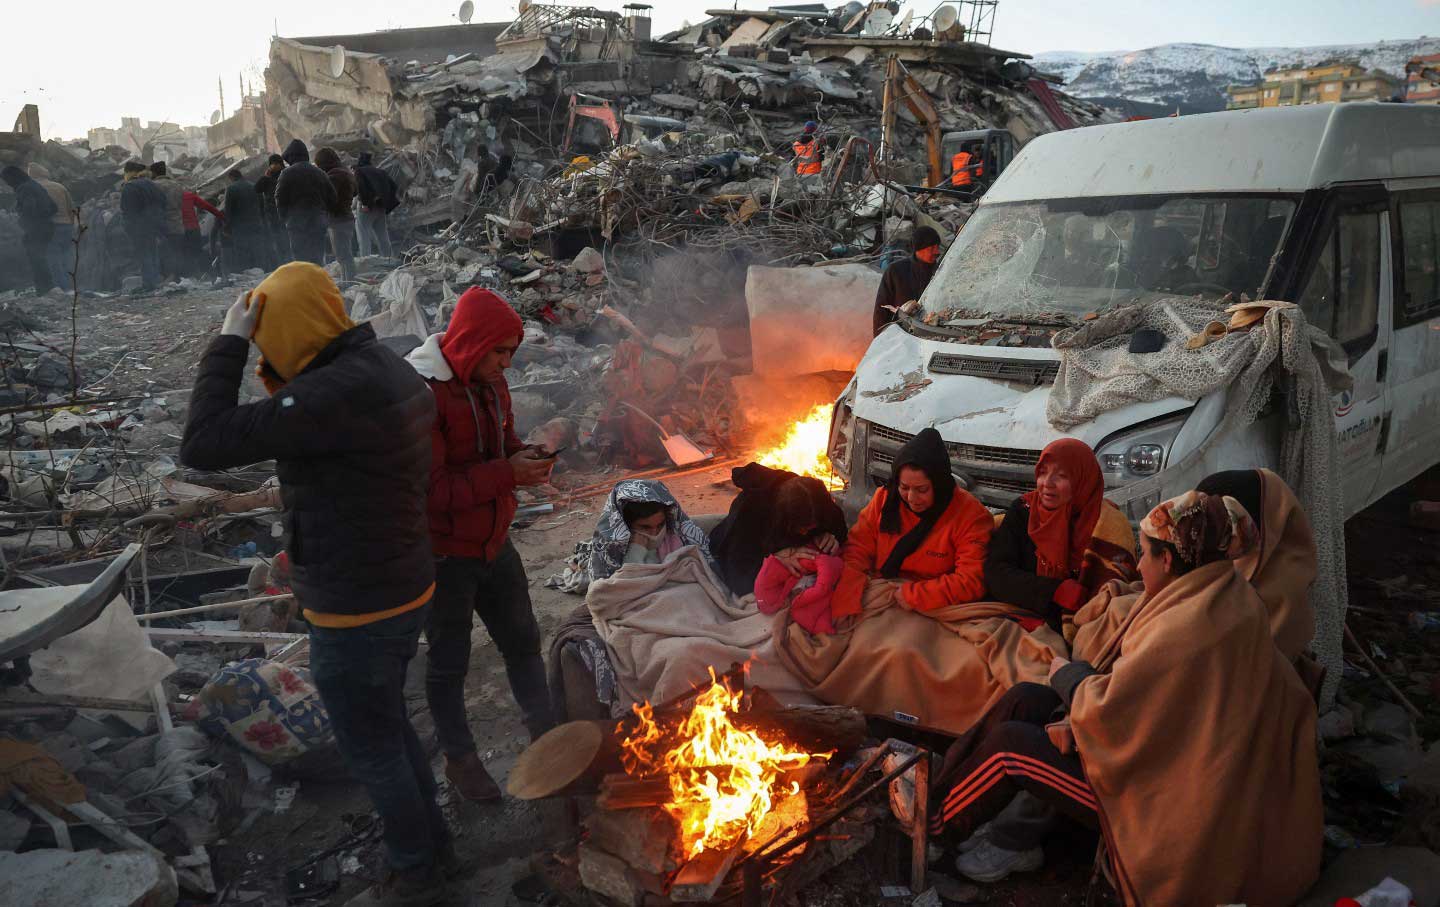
{"points": [[805, 449], [722, 777]]}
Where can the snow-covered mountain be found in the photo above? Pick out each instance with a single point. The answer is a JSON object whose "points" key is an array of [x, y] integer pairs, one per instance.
{"points": [[1193, 76]]}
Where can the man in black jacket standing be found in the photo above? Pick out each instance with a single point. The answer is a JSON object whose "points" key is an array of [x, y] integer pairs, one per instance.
{"points": [[378, 196], [276, 246], [142, 205], [303, 199], [907, 279], [37, 212], [348, 425], [243, 227]]}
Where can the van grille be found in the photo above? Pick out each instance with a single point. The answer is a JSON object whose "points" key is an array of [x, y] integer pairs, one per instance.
{"points": [[968, 453], [1025, 371]]}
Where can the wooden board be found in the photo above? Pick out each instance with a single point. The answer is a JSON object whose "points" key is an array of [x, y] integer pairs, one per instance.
{"points": [[698, 880], [646, 839], [558, 760]]}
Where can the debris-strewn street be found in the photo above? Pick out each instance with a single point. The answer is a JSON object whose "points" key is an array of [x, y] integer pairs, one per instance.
{"points": [[870, 472]]}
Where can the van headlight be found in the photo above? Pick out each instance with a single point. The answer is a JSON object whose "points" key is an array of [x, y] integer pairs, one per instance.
{"points": [[1137, 454]]}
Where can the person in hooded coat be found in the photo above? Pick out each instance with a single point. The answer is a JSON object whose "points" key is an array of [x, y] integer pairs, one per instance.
{"points": [[775, 511], [37, 224], [906, 279], [61, 253], [920, 533], [276, 246], [348, 425], [477, 462], [244, 224], [304, 198], [1189, 740], [641, 523], [173, 257], [342, 219], [378, 196]]}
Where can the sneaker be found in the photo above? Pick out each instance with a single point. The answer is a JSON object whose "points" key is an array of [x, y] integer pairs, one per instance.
{"points": [[980, 836], [467, 773], [989, 863], [421, 887]]}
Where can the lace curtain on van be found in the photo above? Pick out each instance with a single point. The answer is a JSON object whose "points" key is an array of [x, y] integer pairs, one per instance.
{"points": [[1099, 374]]}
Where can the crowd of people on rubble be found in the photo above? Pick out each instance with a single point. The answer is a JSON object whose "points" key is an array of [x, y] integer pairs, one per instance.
{"points": [[1178, 719], [294, 211]]}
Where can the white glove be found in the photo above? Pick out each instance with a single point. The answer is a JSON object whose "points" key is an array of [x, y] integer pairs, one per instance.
{"points": [[241, 317]]}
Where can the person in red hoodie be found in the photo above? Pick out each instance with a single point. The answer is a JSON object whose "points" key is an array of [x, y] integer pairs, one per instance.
{"points": [[477, 462], [194, 242]]}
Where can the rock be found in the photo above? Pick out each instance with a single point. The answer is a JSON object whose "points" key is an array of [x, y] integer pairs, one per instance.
{"points": [[90, 877], [53, 372], [1357, 871], [953, 890], [589, 261], [555, 434], [531, 408], [13, 830], [1337, 724], [1389, 721], [130, 285], [931, 898]]}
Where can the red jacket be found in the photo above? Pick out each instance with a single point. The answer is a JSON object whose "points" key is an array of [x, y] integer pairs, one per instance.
{"points": [[472, 485], [188, 203]]}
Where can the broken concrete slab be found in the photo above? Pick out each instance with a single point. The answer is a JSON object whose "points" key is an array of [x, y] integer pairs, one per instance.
{"points": [[805, 320], [90, 877]]}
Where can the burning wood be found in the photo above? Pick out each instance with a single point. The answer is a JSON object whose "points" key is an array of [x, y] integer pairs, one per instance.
{"points": [[805, 449], [716, 809]]}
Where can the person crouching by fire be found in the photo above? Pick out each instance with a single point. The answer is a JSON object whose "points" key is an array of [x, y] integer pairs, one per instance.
{"points": [[348, 425], [477, 462]]}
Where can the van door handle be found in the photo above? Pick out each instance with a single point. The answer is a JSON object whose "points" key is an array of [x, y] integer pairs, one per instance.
{"points": [[1382, 366]]}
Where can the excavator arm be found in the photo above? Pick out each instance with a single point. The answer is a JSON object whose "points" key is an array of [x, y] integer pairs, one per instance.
{"points": [[902, 87]]}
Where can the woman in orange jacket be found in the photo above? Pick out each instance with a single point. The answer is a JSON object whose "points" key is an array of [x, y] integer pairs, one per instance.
{"points": [[921, 533]]}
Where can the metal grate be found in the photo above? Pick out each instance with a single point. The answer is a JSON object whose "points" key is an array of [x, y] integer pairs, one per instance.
{"points": [[1024, 371], [965, 453]]}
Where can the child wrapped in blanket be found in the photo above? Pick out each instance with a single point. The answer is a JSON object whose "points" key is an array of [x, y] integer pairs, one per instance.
{"points": [[807, 592]]}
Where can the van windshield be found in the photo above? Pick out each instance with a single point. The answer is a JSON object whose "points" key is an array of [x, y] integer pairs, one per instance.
{"points": [[1052, 262]]}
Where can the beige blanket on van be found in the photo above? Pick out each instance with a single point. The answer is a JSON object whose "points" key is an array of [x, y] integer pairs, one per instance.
{"points": [[1099, 374], [665, 625], [942, 668]]}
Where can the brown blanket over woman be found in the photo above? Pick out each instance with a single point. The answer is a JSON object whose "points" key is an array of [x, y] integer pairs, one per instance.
{"points": [[1199, 744], [942, 668], [1281, 569]]}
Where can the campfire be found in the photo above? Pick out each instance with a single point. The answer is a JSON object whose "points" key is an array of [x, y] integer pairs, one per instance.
{"points": [[724, 780], [804, 449]]}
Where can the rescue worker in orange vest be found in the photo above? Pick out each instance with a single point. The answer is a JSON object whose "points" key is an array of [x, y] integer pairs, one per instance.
{"points": [[808, 153], [960, 172]]}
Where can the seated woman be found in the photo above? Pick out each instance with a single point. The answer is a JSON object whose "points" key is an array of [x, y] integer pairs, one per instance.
{"points": [[776, 512], [641, 523], [921, 535], [1190, 740], [1282, 566], [1059, 543]]}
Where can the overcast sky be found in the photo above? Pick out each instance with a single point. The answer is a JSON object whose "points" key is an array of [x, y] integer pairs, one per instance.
{"points": [[88, 63]]}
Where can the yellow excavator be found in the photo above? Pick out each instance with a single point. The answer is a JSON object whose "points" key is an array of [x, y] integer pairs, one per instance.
{"points": [[992, 148]]}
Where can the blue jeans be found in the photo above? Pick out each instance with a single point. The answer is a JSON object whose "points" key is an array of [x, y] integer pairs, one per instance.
{"points": [[360, 673], [61, 256]]}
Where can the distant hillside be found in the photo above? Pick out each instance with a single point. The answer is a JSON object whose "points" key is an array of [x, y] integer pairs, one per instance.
{"points": [[1193, 76]]}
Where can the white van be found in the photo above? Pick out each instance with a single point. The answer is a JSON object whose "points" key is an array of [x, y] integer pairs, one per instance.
{"points": [[1333, 206]]}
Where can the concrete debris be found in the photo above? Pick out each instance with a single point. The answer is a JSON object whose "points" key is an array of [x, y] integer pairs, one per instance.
{"points": [[130, 879]]}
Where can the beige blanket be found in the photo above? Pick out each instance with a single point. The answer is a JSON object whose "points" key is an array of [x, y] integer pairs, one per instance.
{"points": [[941, 668], [665, 625]]}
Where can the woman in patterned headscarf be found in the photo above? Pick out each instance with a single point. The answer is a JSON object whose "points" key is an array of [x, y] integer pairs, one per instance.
{"points": [[1190, 741]]}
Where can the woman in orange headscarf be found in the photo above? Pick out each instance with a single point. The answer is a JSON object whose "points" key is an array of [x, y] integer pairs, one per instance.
{"points": [[1062, 541]]}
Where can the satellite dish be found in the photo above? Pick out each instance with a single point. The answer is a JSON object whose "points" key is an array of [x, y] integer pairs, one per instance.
{"points": [[214, 117], [945, 18], [337, 61], [467, 12], [904, 27], [851, 8], [878, 22], [524, 5]]}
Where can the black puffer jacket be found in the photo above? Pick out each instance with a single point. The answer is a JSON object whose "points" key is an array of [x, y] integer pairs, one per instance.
{"points": [[303, 190], [351, 440], [34, 205], [903, 281], [374, 186]]}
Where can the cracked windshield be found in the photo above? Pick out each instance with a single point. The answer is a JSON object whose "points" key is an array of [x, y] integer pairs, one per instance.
{"points": [[1048, 264]]}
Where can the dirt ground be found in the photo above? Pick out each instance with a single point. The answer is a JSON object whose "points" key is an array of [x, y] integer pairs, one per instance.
{"points": [[150, 346]]}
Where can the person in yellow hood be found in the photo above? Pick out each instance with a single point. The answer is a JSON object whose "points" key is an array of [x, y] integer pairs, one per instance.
{"points": [[347, 422]]}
